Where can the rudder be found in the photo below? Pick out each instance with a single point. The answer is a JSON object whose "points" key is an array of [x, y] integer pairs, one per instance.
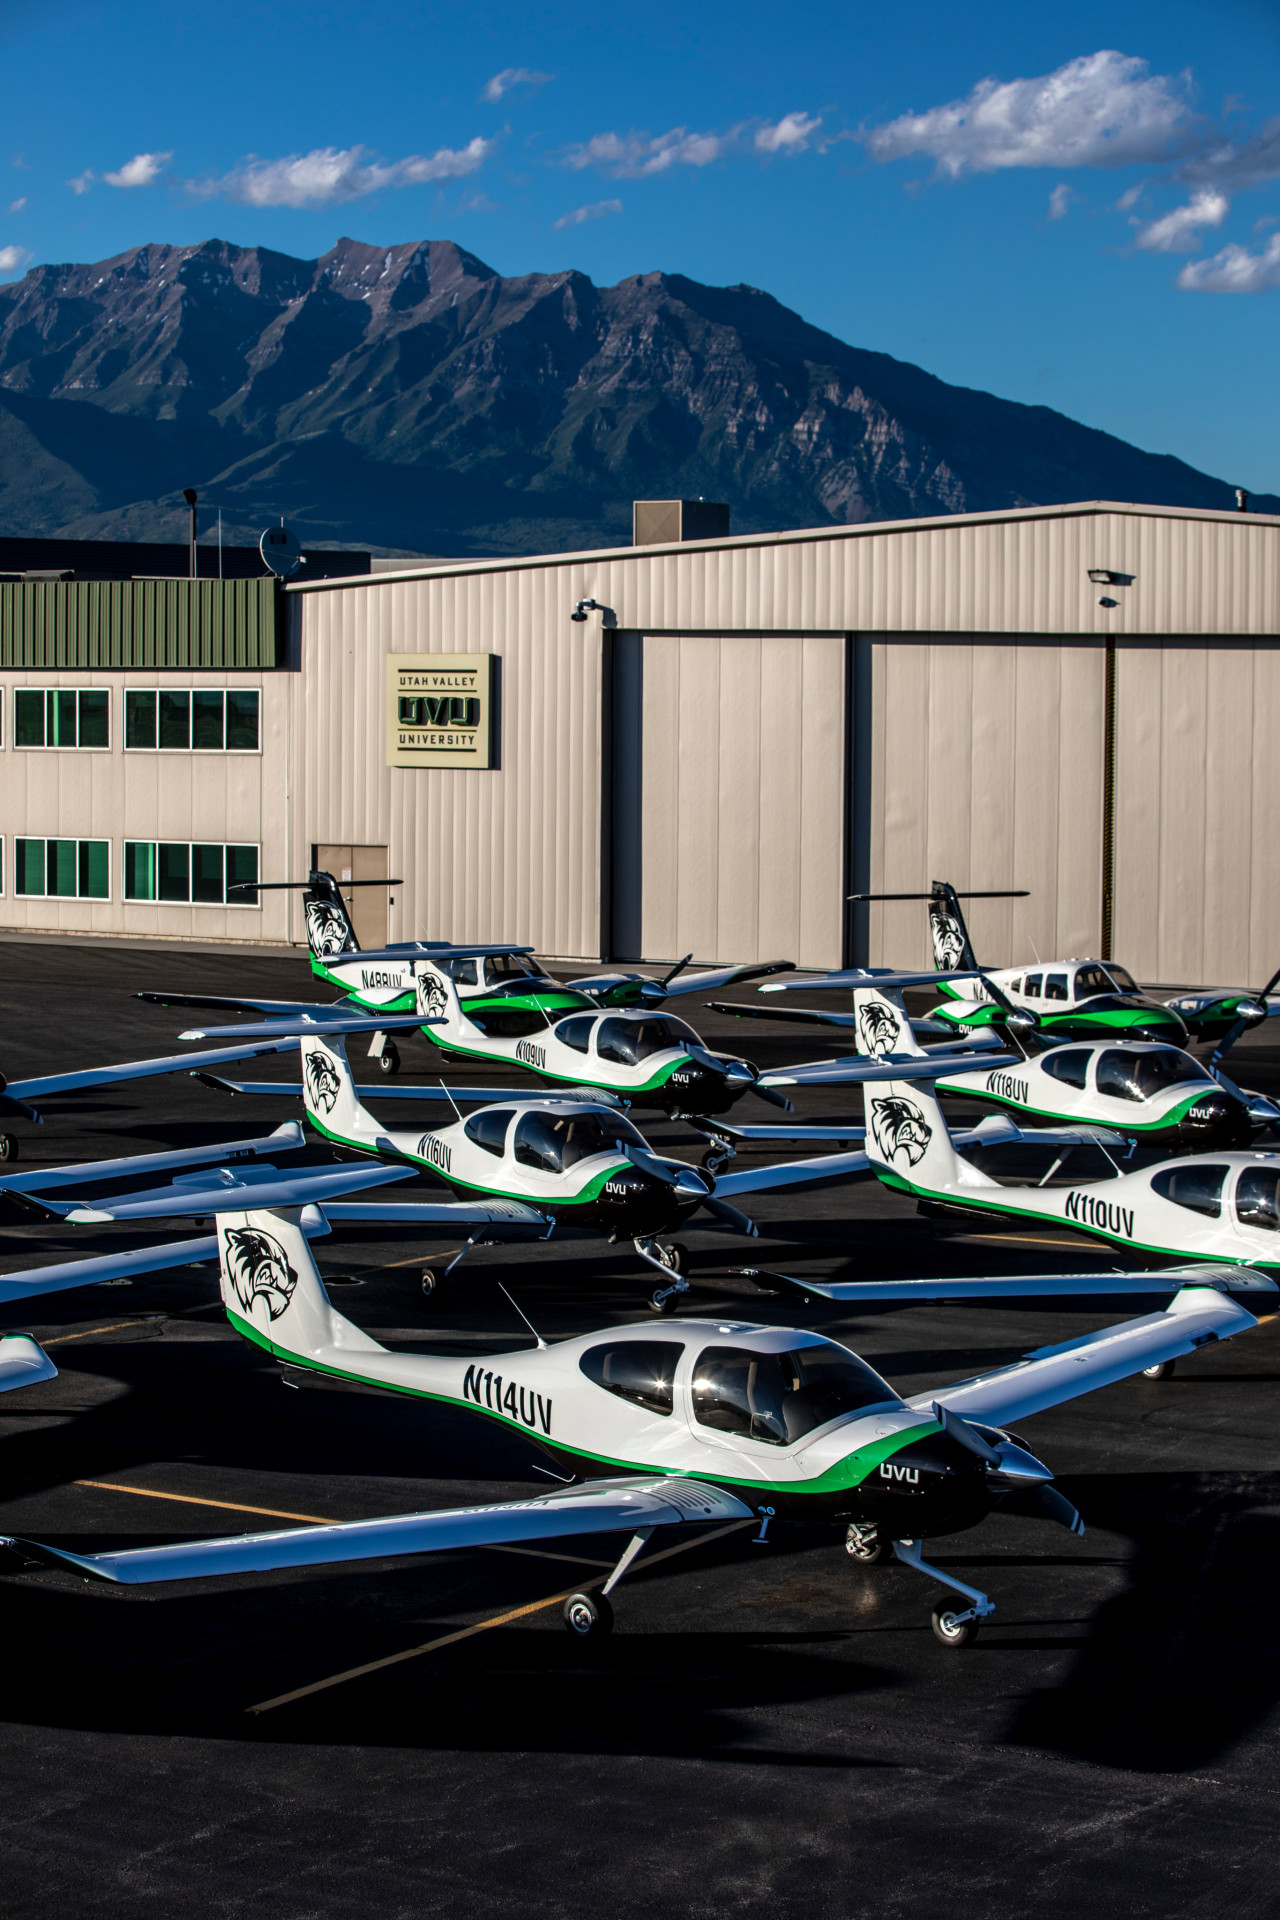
{"points": [[329, 1092], [271, 1285]]}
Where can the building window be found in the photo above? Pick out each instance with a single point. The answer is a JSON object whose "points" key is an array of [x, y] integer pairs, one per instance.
{"points": [[61, 717], [196, 873], [62, 869], [192, 719]]}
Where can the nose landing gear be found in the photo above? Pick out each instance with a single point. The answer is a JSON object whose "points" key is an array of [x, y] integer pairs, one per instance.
{"points": [[670, 1260], [955, 1626]]}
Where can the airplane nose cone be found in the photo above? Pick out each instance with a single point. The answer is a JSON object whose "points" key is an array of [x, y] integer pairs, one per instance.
{"points": [[737, 1073], [1018, 1469], [689, 1184], [1251, 1010]]}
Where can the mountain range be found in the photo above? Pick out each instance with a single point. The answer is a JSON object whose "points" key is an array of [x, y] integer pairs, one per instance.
{"points": [[411, 398]]}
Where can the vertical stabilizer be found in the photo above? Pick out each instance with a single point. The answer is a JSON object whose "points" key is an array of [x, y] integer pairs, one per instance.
{"points": [[883, 1027], [952, 947], [329, 928], [438, 1000], [270, 1282], [907, 1137], [329, 1092]]}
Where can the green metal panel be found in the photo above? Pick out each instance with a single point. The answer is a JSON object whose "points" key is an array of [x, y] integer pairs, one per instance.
{"points": [[141, 623]]}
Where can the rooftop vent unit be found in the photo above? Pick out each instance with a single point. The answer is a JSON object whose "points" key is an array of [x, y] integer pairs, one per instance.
{"points": [[658, 523]]}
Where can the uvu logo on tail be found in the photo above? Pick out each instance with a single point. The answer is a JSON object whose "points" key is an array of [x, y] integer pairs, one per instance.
{"points": [[324, 1082], [948, 942], [877, 1027], [898, 1126], [433, 998], [258, 1268], [327, 927]]}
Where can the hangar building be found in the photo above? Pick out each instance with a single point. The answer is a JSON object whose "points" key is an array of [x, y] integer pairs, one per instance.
{"points": [[737, 733]]}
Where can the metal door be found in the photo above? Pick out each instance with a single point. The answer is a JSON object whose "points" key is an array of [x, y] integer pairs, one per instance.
{"points": [[366, 905]]}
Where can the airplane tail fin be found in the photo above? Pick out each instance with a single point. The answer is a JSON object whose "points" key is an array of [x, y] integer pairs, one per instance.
{"points": [[882, 1024], [329, 928], [438, 999], [952, 947], [329, 1091], [271, 1284], [907, 1136]]}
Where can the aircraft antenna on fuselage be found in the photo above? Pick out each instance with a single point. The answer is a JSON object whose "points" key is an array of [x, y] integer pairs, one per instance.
{"points": [[524, 1316]]}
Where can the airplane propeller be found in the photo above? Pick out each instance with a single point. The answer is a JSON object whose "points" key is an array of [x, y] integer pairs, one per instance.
{"points": [[688, 1183]]}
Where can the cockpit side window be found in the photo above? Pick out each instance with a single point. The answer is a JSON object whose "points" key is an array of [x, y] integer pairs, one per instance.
{"points": [[641, 1371], [488, 1128], [1117, 1075], [1055, 986], [575, 1032], [779, 1397], [1258, 1198], [1070, 1065], [1198, 1187], [1032, 986], [462, 972]]}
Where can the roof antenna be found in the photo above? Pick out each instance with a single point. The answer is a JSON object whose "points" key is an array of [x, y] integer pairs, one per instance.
{"points": [[1035, 950], [542, 1345]]}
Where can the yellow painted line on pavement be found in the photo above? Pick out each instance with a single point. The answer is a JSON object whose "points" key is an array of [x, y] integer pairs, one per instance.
{"points": [[87, 1333], [194, 1500], [481, 1626]]}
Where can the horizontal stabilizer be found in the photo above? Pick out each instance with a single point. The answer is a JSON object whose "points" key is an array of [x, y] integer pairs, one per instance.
{"points": [[799, 1016], [318, 1023], [884, 979], [603, 1507], [856, 1069], [33, 1281], [1024, 1286], [792, 1173], [306, 1187]]}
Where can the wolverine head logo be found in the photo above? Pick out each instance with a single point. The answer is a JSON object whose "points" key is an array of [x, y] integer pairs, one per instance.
{"points": [[324, 1082], [948, 942], [257, 1268], [433, 998], [327, 928], [898, 1126], [877, 1027]]}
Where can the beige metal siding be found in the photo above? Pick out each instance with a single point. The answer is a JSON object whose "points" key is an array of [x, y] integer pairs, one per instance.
{"points": [[987, 772], [508, 853], [73, 793], [742, 853], [1197, 813]]}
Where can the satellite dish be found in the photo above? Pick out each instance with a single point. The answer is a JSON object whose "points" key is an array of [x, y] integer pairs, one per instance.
{"points": [[281, 549]]}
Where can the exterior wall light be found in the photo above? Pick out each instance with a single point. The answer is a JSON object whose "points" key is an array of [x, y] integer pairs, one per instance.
{"points": [[608, 618], [1104, 577]]}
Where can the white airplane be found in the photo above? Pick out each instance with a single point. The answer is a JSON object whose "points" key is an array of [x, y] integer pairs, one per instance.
{"points": [[500, 990], [1219, 1207], [698, 1422], [1157, 1096]]}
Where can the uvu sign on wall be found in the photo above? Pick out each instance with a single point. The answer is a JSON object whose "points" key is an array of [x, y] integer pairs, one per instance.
{"points": [[438, 709]]}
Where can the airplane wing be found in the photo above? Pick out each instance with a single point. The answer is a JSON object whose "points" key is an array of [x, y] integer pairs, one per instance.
{"points": [[30, 1282], [721, 1129], [792, 1173], [1027, 1286], [142, 1069], [854, 1069], [1197, 1315], [377, 1090], [802, 1016], [311, 1187], [885, 978], [23, 1362], [295, 1025], [675, 984], [425, 1214], [281, 1008], [288, 1138], [617, 1506]]}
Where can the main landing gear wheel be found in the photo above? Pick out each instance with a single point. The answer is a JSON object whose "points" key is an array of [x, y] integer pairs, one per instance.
{"points": [[951, 1628], [8, 1147], [714, 1158], [863, 1544], [588, 1616], [675, 1259], [389, 1059], [1162, 1371], [432, 1285]]}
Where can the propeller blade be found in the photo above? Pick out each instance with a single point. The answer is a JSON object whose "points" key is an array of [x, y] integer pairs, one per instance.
{"points": [[1052, 1505], [774, 1098], [957, 1428], [679, 967], [731, 1216]]}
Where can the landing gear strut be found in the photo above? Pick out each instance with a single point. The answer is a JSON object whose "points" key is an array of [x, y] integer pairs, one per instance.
{"points": [[670, 1260], [589, 1616], [955, 1626]]}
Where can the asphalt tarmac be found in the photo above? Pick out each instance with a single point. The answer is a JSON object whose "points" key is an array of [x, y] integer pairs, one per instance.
{"points": [[770, 1731]]}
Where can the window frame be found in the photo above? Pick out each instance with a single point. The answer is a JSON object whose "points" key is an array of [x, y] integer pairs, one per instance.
{"points": [[191, 692], [224, 905], [23, 746], [76, 840]]}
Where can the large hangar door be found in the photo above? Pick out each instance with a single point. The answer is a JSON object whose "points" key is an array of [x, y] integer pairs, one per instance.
{"points": [[728, 797]]}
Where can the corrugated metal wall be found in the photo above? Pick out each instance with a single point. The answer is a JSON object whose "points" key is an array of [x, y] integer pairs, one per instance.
{"points": [[167, 624], [987, 772], [741, 843], [510, 853]]}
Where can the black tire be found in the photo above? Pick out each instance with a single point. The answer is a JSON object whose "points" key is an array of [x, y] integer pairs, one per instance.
{"points": [[662, 1300], [946, 1628], [677, 1258], [389, 1059], [8, 1146], [588, 1616], [432, 1285], [714, 1158], [866, 1550], [1163, 1370]]}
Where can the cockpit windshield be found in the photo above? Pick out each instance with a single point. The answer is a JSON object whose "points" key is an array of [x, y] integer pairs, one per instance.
{"points": [[1091, 981], [554, 1142], [627, 1042], [1141, 1076], [509, 966], [1123, 978], [779, 1397]]}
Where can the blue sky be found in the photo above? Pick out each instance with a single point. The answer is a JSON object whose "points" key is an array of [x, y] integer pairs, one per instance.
{"points": [[1074, 207]]}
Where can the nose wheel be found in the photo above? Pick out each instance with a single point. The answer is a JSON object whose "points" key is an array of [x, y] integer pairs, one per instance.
{"points": [[671, 1260], [955, 1626], [388, 1059]]}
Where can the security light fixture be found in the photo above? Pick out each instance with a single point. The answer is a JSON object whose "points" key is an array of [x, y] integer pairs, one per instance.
{"points": [[1104, 577], [584, 607]]}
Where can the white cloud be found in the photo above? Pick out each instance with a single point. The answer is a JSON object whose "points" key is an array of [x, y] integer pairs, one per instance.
{"points": [[1179, 231], [330, 175], [142, 171], [632, 155], [1235, 164], [598, 211], [513, 77], [1234, 270], [1101, 110], [83, 181], [16, 206], [1130, 197], [1060, 201], [792, 134], [13, 259]]}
